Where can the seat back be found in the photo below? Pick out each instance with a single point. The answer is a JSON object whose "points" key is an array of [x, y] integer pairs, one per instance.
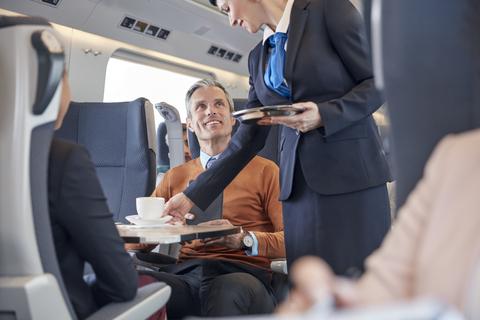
{"points": [[31, 53], [270, 150], [120, 138], [429, 75], [173, 124]]}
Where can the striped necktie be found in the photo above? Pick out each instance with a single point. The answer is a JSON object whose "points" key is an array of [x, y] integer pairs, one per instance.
{"points": [[210, 162]]}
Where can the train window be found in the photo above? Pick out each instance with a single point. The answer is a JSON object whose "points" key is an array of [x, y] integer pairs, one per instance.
{"points": [[127, 80]]}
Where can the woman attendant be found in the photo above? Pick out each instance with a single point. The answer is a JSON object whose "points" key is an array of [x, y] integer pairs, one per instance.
{"points": [[333, 172]]}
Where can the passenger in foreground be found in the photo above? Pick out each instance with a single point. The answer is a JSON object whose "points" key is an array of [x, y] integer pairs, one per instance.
{"points": [[224, 276], [433, 250], [83, 228]]}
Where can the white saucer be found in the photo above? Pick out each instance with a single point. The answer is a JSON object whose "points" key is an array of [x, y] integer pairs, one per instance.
{"points": [[148, 223]]}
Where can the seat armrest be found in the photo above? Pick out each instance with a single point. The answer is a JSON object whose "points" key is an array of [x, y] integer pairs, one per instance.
{"points": [[149, 299], [280, 279], [279, 266], [151, 260]]}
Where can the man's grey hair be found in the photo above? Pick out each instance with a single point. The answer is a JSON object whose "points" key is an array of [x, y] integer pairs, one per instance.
{"points": [[205, 83]]}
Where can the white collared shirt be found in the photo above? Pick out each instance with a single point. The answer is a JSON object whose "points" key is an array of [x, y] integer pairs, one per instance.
{"points": [[283, 24], [205, 157]]}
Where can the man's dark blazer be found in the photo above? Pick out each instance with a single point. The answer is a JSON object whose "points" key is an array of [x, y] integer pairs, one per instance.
{"points": [[83, 230], [327, 62]]}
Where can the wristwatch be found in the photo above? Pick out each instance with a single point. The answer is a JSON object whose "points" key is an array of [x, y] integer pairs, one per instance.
{"points": [[247, 241]]}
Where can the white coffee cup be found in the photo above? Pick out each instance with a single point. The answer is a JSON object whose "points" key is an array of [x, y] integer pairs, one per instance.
{"points": [[150, 208]]}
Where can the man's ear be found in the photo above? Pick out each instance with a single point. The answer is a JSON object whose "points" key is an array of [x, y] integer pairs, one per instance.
{"points": [[233, 121], [190, 125]]}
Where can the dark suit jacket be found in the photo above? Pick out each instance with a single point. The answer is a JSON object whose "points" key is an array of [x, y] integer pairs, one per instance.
{"points": [[83, 230], [327, 62]]}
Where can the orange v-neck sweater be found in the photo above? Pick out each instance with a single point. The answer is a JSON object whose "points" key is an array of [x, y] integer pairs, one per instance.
{"points": [[250, 201]]}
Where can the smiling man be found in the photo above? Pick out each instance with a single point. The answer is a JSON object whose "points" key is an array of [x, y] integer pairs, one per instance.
{"points": [[228, 275], [209, 116]]}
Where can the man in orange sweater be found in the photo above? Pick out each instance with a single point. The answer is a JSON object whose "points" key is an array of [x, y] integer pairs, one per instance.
{"points": [[228, 275]]}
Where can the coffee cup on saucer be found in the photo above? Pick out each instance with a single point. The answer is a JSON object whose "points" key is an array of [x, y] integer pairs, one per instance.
{"points": [[150, 208]]}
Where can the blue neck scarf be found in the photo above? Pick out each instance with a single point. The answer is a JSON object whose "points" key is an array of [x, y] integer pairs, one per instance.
{"points": [[275, 73]]}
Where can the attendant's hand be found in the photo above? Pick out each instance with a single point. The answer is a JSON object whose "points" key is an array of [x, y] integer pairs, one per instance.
{"points": [[183, 222], [308, 120], [314, 281], [178, 207], [233, 241]]}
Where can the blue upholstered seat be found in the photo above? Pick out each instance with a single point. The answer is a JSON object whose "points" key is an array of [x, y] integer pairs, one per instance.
{"points": [[120, 137], [31, 285]]}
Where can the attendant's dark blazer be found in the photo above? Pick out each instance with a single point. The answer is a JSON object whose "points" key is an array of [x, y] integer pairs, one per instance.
{"points": [[328, 62], [84, 231]]}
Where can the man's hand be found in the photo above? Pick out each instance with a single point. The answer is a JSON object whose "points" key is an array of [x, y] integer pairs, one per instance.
{"points": [[314, 282], [143, 247], [233, 241], [178, 207], [308, 120]]}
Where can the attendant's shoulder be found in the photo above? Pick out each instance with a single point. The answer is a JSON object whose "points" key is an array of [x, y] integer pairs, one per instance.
{"points": [[338, 13], [255, 53]]}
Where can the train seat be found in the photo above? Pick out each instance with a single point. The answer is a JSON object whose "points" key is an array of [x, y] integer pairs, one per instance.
{"points": [[31, 286], [163, 162], [171, 154], [120, 137]]}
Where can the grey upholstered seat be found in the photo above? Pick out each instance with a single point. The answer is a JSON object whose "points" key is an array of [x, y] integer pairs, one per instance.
{"points": [[163, 162], [31, 286], [120, 137]]}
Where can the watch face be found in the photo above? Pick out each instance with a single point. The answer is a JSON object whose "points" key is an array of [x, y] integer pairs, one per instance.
{"points": [[248, 240]]}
